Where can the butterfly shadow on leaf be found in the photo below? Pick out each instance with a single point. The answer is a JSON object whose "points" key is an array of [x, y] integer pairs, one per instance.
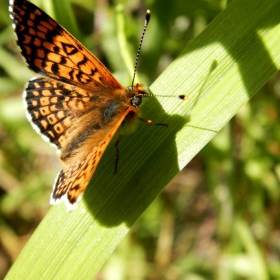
{"points": [[148, 161]]}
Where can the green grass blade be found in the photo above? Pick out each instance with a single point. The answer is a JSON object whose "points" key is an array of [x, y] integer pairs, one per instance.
{"points": [[258, 263], [220, 70]]}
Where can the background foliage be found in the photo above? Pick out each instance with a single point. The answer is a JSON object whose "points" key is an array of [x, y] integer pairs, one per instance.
{"points": [[216, 219]]}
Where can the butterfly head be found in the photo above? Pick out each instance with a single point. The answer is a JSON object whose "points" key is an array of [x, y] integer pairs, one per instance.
{"points": [[136, 93], [136, 100]]}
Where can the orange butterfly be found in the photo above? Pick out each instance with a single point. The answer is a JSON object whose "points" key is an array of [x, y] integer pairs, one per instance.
{"points": [[77, 105]]}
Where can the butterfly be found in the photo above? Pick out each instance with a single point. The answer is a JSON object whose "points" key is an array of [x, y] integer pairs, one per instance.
{"points": [[76, 104]]}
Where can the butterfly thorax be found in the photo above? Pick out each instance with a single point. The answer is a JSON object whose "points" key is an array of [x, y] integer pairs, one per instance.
{"points": [[133, 97]]}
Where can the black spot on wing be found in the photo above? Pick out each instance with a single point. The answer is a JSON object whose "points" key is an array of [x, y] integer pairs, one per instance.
{"points": [[55, 68]]}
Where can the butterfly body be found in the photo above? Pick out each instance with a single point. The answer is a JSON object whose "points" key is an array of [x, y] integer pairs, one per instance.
{"points": [[76, 104]]}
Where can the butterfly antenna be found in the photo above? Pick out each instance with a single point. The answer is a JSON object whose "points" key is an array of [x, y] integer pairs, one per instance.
{"points": [[182, 96], [147, 19]]}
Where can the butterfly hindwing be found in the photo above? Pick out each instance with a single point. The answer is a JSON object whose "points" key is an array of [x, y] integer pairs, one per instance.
{"points": [[53, 108], [74, 178]]}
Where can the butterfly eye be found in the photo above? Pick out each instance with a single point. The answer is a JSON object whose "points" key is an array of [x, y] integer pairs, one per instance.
{"points": [[136, 100]]}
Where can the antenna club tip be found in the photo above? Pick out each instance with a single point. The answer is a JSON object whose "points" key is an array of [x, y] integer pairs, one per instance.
{"points": [[148, 16], [183, 97]]}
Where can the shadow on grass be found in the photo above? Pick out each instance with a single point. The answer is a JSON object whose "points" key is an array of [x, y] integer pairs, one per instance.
{"points": [[148, 161]]}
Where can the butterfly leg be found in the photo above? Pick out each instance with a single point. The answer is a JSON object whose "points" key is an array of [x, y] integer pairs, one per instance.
{"points": [[117, 152], [151, 122]]}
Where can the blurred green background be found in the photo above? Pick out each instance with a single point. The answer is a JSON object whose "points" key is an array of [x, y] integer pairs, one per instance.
{"points": [[218, 219]]}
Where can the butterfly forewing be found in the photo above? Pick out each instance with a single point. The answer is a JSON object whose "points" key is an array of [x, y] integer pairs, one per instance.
{"points": [[52, 51]]}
